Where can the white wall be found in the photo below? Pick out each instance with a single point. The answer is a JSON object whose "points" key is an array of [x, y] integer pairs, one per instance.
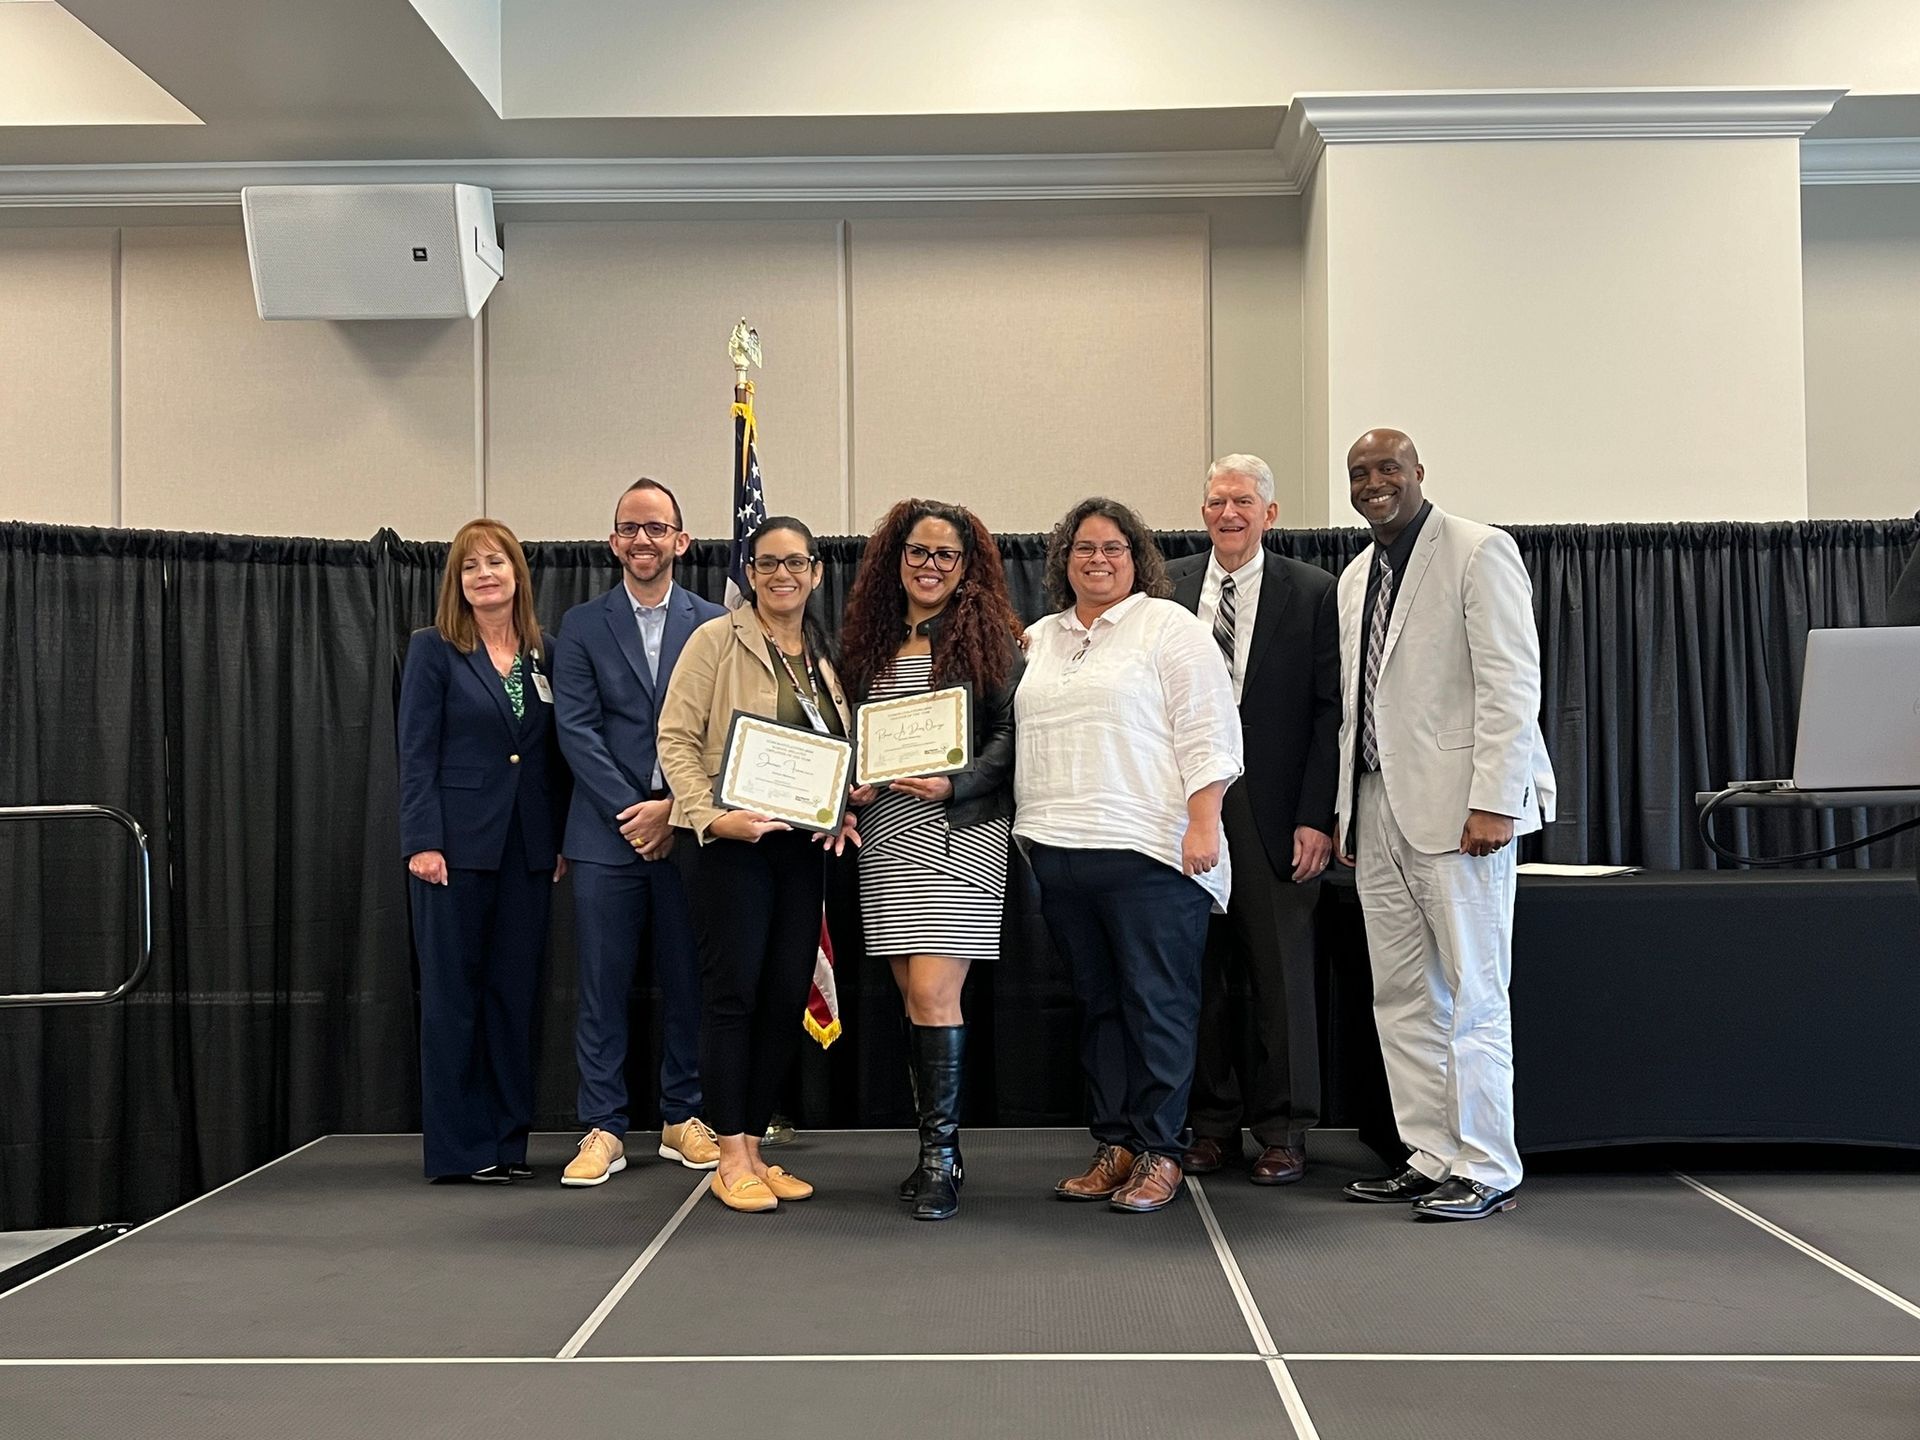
{"points": [[1863, 349], [137, 385], [234, 424], [59, 411], [1572, 330]]}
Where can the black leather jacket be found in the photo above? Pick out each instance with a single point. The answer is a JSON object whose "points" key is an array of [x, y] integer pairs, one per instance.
{"points": [[985, 792]]}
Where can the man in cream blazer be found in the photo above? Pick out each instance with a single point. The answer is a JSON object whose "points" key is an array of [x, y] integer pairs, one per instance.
{"points": [[1442, 766]]}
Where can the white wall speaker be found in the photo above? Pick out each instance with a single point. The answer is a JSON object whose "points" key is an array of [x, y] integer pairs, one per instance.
{"points": [[371, 252]]}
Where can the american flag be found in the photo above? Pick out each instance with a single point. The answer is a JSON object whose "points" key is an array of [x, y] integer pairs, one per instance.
{"points": [[749, 499], [822, 1015]]}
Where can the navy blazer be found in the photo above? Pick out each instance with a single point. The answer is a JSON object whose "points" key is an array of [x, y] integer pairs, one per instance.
{"points": [[1289, 697], [467, 766], [608, 711]]}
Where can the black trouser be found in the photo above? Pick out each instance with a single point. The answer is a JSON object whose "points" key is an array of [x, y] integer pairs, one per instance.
{"points": [[756, 919], [1132, 931], [1259, 1057], [480, 938]]}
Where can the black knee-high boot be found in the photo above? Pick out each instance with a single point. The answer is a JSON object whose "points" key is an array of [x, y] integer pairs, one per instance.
{"points": [[910, 1186], [939, 1054]]}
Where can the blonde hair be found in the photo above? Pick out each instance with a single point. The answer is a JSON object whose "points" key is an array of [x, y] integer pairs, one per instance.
{"points": [[453, 618]]}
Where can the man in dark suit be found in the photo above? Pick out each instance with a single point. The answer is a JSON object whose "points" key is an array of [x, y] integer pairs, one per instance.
{"points": [[610, 671], [1277, 623]]}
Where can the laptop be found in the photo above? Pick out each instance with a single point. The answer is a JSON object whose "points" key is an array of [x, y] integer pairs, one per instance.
{"points": [[1860, 711]]}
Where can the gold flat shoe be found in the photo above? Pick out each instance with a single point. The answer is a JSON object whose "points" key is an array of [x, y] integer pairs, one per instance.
{"points": [[747, 1194], [785, 1186]]}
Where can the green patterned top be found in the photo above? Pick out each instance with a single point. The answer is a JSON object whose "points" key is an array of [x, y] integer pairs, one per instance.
{"points": [[515, 681]]}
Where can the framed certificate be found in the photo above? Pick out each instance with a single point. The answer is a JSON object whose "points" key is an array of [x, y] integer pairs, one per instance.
{"points": [[929, 734], [795, 775]]}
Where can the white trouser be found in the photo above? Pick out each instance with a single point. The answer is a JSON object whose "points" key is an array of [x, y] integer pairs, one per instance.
{"points": [[1440, 934]]}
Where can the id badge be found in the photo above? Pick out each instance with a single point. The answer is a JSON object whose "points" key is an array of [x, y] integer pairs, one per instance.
{"points": [[542, 688], [814, 717]]}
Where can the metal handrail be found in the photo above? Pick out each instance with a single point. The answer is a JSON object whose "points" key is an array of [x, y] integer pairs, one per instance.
{"points": [[132, 826]]}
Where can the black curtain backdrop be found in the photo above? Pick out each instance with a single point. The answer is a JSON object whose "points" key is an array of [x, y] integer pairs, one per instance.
{"points": [[237, 695]]}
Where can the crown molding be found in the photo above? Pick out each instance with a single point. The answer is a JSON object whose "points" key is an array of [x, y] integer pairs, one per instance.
{"points": [[745, 181], [1312, 123], [1860, 162], [1609, 114]]}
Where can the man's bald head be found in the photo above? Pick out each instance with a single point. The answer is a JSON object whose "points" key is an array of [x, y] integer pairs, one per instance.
{"points": [[1393, 439], [1384, 478]]}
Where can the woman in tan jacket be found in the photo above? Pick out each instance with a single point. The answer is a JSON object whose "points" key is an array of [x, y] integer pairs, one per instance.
{"points": [[754, 883]]}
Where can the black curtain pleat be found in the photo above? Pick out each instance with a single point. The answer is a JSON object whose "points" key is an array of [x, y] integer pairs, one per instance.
{"points": [[89, 1099], [237, 696], [290, 906]]}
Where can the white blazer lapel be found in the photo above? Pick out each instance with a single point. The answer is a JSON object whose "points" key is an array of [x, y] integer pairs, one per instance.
{"points": [[1408, 586]]}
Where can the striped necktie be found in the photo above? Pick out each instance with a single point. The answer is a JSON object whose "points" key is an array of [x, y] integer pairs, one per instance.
{"points": [[1376, 652], [1223, 621]]}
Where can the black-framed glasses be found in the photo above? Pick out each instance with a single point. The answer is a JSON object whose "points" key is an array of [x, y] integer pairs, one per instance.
{"points": [[656, 529], [943, 560], [793, 564], [1112, 549]]}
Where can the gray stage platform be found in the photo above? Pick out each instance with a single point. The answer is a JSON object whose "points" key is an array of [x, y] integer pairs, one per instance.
{"points": [[334, 1294]]}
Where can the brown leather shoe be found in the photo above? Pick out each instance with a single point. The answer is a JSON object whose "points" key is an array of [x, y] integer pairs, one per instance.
{"points": [[1207, 1155], [1154, 1182], [1279, 1165], [1107, 1174]]}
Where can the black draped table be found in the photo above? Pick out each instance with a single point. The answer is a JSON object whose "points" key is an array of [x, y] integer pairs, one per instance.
{"points": [[1690, 1005]]}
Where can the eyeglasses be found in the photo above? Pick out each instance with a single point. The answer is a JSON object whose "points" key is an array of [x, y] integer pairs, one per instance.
{"points": [[794, 564], [1112, 549], [656, 529], [943, 560]]}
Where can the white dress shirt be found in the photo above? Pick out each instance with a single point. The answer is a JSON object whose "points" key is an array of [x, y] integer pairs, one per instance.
{"points": [[652, 620], [1116, 726], [1246, 605]]}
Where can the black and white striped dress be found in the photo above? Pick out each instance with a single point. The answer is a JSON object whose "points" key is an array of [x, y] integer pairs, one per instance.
{"points": [[926, 889]]}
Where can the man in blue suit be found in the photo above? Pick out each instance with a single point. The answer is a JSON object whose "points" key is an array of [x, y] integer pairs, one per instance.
{"points": [[611, 665]]}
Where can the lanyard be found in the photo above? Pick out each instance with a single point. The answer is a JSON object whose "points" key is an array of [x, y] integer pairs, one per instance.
{"points": [[808, 697]]}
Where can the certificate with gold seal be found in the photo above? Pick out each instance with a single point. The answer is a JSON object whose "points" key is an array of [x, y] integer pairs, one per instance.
{"points": [[913, 735], [790, 774]]}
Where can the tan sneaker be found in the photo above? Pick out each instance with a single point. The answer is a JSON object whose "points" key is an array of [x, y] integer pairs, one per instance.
{"points": [[601, 1155], [691, 1143]]}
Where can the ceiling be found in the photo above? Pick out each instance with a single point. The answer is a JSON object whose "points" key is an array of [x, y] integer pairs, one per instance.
{"points": [[368, 80]]}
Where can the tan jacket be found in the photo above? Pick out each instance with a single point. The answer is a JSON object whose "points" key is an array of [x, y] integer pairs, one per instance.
{"points": [[724, 668]]}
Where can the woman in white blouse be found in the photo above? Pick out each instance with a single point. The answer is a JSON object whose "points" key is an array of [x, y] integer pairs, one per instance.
{"points": [[1127, 738]]}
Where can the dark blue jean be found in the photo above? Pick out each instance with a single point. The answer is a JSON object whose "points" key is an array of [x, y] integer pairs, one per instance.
{"points": [[1133, 932], [615, 907]]}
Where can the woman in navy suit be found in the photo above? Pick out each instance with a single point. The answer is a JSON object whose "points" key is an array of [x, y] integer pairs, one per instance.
{"points": [[482, 790]]}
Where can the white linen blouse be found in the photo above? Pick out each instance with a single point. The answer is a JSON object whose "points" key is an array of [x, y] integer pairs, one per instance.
{"points": [[1117, 724]]}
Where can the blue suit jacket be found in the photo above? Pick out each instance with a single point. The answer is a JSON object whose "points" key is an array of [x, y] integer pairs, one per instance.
{"points": [[608, 711], [467, 765]]}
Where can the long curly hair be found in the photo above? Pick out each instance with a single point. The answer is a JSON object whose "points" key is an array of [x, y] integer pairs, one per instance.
{"points": [[1149, 569], [980, 628]]}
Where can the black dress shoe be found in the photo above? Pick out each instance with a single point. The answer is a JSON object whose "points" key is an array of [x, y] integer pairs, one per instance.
{"points": [[492, 1175], [1409, 1185], [1459, 1198], [1208, 1153], [518, 1172]]}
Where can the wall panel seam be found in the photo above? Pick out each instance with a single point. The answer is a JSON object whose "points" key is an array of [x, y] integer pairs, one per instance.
{"points": [[844, 228], [116, 386]]}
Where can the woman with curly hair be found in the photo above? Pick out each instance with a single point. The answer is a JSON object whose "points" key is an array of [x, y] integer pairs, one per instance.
{"points": [[1128, 739], [929, 610]]}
